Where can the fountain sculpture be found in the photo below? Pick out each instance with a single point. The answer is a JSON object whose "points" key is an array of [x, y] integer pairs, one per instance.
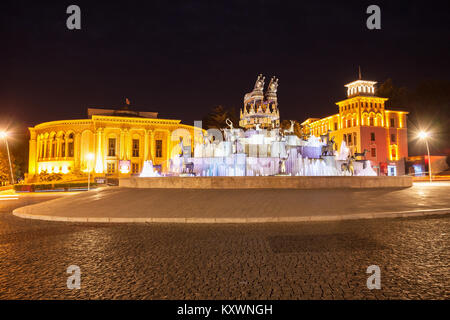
{"points": [[262, 148]]}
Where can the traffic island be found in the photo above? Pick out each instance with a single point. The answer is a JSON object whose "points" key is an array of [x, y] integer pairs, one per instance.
{"points": [[241, 205]]}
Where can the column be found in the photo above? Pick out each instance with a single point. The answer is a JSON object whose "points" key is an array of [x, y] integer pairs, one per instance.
{"points": [[122, 144], [66, 142], [50, 148], [77, 151], [98, 152], [39, 148], [169, 145], [152, 146], [128, 145], [45, 148], [359, 114], [146, 151], [33, 155]]}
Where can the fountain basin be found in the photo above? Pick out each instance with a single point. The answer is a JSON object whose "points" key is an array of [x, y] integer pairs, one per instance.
{"points": [[272, 182]]}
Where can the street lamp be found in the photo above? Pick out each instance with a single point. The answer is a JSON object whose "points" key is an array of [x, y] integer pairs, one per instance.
{"points": [[4, 135], [424, 136], [89, 157]]}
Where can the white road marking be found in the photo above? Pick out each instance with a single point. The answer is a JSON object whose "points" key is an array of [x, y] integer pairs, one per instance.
{"points": [[6, 197]]}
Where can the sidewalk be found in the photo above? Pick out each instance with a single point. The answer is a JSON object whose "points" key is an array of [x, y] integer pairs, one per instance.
{"points": [[240, 206]]}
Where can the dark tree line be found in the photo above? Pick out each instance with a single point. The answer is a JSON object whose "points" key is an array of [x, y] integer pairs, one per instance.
{"points": [[216, 119], [429, 108]]}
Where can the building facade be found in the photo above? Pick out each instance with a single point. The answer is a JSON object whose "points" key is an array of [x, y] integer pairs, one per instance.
{"points": [[366, 126], [109, 143]]}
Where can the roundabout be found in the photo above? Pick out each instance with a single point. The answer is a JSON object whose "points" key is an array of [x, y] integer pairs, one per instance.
{"points": [[141, 205]]}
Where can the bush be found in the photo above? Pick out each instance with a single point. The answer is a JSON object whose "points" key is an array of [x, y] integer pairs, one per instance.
{"points": [[24, 187], [51, 186]]}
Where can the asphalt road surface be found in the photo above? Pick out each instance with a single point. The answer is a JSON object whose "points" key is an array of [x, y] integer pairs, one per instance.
{"points": [[323, 260]]}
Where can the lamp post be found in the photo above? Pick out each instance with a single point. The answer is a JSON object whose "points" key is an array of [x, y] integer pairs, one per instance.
{"points": [[4, 135], [89, 157], [424, 136]]}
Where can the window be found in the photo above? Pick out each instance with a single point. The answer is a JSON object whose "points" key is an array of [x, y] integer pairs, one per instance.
{"points": [[135, 147], [392, 123], [394, 154], [349, 137], [371, 122], [354, 138], [372, 136], [373, 152], [393, 138], [158, 148], [111, 147], [63, 149], [135, 168], [71, 149], [335, 126], [111, 168], [53, 148], [70, 146]]}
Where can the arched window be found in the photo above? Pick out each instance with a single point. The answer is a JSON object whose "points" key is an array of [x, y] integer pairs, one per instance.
{"points": [[70, 146], [53, 148], [63, 147]]}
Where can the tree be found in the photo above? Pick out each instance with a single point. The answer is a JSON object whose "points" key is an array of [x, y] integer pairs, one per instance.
{"points": [[218, 116], [429, 105], [5, 173], [429, 109], [398, 96]]}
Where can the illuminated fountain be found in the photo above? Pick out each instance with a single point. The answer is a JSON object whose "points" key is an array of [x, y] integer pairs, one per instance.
{"points": [[148, 171], [261, 148], [271, 152]]}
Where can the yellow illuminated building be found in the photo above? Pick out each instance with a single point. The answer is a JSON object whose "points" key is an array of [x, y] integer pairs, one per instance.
{"points": [[109, 143], [364, 124]]}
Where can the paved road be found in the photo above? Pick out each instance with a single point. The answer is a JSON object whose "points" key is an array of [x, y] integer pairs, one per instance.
{"points": [[312, 260], [198, 205]]}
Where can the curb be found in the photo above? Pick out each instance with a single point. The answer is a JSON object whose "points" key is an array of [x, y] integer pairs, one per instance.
{"points": [[359, 216]]}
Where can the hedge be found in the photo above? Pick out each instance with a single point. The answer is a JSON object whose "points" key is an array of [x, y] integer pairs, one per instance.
{"points": [[51, 186]]}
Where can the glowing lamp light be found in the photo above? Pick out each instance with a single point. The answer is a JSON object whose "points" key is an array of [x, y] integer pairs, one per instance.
{"points": [[3, 134], [65, 170], [56, 170], [423, 135]]}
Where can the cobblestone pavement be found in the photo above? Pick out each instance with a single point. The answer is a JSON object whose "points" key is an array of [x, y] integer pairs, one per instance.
{"points": [[325, 260]]}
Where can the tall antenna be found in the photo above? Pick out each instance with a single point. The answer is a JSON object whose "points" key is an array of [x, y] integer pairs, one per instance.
{"points": [[359, 69]]}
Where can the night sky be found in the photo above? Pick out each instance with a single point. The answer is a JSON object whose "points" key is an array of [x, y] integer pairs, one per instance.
{"points": [[181, 58]]}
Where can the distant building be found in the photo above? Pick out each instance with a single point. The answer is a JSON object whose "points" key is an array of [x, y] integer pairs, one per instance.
{"points": [[364, 124], [419, 165], [109, 143]]}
